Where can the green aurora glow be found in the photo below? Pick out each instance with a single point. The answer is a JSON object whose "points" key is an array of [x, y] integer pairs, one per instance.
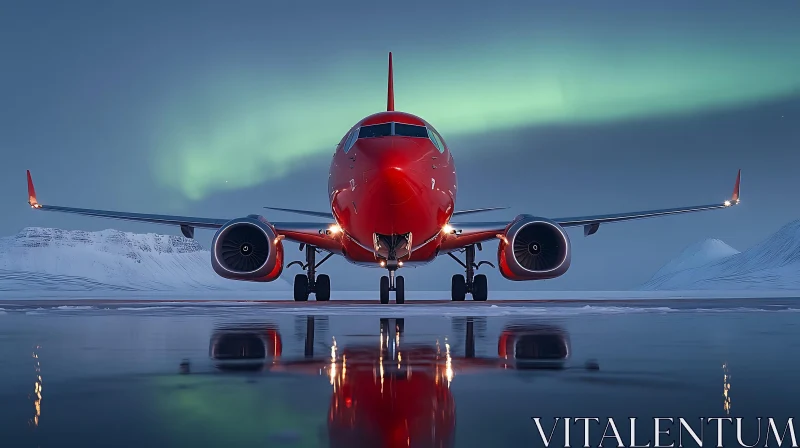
{"points": [[239, 127], [213, 411]]}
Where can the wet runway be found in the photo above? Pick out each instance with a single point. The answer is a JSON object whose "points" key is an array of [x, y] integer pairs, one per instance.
{"points": [[134, 373], [336, 306]]}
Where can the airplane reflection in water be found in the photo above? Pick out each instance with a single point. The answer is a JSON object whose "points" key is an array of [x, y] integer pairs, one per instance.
{"points": [[245, 347], [390, 392]]}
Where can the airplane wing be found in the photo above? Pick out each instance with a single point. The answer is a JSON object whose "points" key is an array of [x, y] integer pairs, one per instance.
{"points": [[329, 215], [477, 210], [311, 233], [472, 233]]}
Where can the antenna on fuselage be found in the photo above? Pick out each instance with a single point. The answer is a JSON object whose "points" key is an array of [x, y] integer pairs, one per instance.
{"points": [[390, 95]]}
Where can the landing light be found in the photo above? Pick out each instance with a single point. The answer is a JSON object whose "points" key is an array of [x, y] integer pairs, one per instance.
{"points": [[383, 263], [400, 263], [334, 229], [447, 229], [727, 203]]}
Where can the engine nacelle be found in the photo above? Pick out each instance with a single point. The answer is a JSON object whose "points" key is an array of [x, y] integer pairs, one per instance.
{"points": [[247, 249], [533, 249]]}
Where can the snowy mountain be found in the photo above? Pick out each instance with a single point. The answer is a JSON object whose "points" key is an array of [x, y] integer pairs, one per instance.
{"points": [[697, 255], [45, 259], [773, 264]]}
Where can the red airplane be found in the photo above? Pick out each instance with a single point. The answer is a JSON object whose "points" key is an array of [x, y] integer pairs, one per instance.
{"points": [[392, 188]]}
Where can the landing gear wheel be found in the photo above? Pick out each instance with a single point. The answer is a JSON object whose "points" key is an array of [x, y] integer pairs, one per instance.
{"points": [[384, 290], [400, 290], [458, 290], [480, 288], [300, 288], [323, 288]]}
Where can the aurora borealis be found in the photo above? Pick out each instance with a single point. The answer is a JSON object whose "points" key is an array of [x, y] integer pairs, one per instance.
{"points": [[242, 123]]}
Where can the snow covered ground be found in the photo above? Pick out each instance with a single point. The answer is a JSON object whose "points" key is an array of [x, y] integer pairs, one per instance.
{"points": [[44, 260]]}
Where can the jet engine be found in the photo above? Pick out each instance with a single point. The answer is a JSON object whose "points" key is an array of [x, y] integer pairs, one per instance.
{"points": [[533, 249], [247, 249]]}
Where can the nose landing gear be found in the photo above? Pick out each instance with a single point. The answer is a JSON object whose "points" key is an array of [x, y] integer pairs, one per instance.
{"points": [[477, 285], [392, 283], [305, 284]]}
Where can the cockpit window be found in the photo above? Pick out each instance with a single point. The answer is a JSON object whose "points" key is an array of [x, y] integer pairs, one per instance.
{"points": [[376, 130], [410, 130], [396, 129], [351, 139], [436, 140]]}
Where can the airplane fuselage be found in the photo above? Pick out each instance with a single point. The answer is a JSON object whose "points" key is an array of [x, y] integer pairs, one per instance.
{"points": [[392, 193]]}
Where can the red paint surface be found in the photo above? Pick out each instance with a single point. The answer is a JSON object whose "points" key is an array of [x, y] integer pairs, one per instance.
{"points": [[392, 185]]}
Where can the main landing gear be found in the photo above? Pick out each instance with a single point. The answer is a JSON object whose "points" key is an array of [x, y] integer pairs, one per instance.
{"points": [[392, 283], [305, 284], [476, 285]]}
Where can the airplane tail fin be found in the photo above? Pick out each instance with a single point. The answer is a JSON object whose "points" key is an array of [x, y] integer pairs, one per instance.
{"points": [[390, 95]]}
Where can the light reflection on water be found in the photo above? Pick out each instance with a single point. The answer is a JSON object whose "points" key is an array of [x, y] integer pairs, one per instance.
{"points": [[726, 389], [491, 370], [37, 388]]}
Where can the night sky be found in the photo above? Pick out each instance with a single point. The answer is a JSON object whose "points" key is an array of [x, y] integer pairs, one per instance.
{"points": [[551, 108]]}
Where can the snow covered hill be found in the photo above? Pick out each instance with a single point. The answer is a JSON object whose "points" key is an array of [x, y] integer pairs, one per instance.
{"points": [[696, 255], [47, 259], [773, 264]]}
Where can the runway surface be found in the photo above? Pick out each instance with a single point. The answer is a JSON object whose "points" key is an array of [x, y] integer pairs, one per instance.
{"points": [[132, 373], [647, 302]]}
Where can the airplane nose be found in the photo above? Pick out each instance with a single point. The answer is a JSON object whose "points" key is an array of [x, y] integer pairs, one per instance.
{"points": [[394, 185]]}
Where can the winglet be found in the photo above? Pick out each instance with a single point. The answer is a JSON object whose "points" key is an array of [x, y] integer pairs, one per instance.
{"points": [[735, 196], [390, 94], [32, 193]]}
